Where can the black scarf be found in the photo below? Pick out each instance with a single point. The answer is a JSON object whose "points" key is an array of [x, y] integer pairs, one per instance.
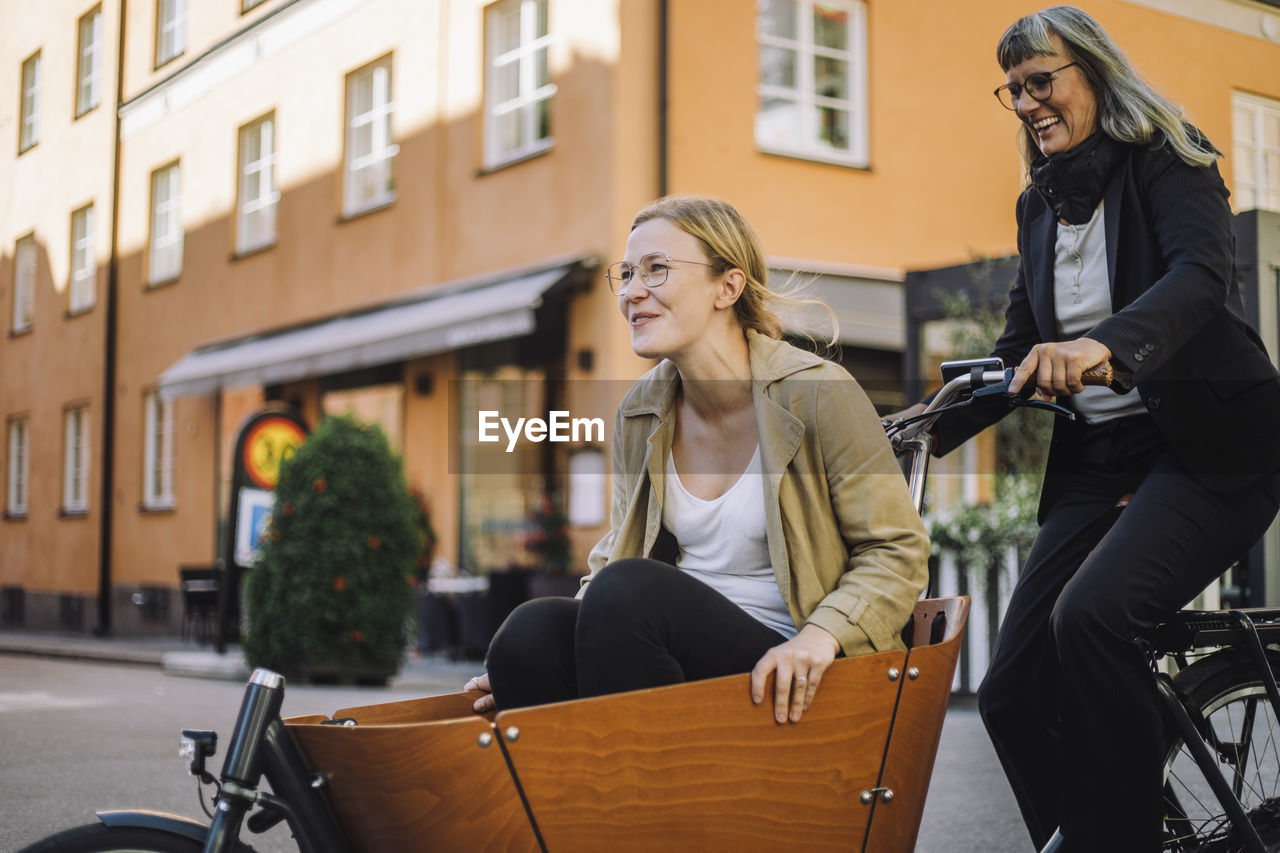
{"points": [[1072, 183]]}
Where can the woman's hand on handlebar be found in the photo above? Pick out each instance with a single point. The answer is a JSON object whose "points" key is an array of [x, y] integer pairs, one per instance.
{"points": [[798, 665], [1055, 368], [481, 683]]}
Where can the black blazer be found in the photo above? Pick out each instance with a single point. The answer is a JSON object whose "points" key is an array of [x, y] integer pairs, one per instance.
{"points": [[1178, 325]]}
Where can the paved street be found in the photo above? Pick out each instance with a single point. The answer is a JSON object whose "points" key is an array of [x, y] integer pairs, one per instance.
{"points": [[75, 737]]}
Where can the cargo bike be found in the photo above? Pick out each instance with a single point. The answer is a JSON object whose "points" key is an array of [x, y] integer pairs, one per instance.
{"points": [[694, 766]]}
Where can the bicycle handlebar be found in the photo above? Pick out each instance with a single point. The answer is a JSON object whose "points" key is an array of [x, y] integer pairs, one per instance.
{"points": [[993, 388]]}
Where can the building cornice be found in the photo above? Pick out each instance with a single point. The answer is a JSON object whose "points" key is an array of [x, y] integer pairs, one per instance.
{"points": [[1246, 17], [265, 37]]}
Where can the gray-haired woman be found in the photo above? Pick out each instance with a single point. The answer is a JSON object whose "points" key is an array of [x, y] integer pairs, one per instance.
{"points": [[1126, 257]]}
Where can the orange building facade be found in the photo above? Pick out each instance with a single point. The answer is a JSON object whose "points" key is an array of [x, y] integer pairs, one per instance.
{"points": [[403, 208]]}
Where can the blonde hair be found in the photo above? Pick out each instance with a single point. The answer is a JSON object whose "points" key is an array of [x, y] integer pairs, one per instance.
{"points": [[1129, 109], [729, 242]]}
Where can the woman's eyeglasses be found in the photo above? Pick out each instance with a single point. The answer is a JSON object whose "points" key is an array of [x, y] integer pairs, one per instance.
{"points": [[1038, 86], [652, 271]]}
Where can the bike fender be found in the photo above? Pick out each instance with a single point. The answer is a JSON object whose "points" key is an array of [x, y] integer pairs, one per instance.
{"points": [[176, 824]]}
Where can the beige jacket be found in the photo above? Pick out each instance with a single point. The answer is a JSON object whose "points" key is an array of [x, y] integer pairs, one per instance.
{"points": [[849, 551]]}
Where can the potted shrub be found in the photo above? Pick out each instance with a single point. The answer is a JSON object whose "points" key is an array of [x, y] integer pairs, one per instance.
{"points": [[331, 595]]}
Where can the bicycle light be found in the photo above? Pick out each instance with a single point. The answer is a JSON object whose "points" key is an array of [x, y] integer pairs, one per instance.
{"points": [[196, 746]]}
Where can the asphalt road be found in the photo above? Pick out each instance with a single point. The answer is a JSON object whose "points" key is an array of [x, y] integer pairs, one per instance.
{"points": [[78, 737]]}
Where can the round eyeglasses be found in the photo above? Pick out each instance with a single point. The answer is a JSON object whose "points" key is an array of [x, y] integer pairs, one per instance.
{"points": [[652, 271], [1038, 86]]}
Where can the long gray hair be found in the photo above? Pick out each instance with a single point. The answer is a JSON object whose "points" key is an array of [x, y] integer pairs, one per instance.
{"points": [[1129, 109]]}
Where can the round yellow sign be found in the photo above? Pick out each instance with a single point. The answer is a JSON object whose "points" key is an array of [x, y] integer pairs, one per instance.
{"points": [[270, 441]]}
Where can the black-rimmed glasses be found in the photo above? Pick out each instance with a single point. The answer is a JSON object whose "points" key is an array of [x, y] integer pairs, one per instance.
{"points": [[1038, 86], [652, 270]]}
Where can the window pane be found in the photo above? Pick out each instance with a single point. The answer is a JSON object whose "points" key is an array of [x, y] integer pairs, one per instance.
{"points": [[1271, 128], [360, 94], [777, 18], [505, 23], [833, 127], [506, 82], [542, 75], [543, 129], [252, 143], [541, 23], [1243, 157], [1242, 124], [778, 66], [508, 125], [830, 27], [1271, 165], [831, 77], [778, 123]]}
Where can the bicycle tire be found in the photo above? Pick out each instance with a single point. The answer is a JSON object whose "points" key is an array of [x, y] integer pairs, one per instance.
{"points": [[99, 838], [1227, 690]]}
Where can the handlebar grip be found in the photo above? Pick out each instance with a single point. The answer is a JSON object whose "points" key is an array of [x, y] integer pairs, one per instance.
{"points": [[1100, 374]]}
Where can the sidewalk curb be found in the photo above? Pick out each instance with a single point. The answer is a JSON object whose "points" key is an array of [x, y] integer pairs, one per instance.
{"points": [[426, 675]]}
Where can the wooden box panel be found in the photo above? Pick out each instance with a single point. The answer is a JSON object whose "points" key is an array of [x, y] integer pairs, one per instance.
{"points": [[423, 786], [698, 767], [917, 728]]}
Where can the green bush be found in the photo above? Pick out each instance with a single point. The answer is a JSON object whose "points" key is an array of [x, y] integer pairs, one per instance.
{"points": [[333, 589]]}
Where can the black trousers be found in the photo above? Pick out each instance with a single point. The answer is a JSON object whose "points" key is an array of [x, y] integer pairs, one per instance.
{"points": [[1068, 699], [640, 623]]}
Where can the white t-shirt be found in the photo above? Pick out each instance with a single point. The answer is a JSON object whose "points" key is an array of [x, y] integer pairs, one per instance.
{"points": [[723, 543], [1082, 300]]}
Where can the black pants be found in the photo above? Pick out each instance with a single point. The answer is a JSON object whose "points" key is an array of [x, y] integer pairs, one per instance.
{"points": [[1068, 700], [640, 623]]}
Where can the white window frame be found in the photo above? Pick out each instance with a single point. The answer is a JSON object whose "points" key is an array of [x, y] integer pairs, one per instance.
{"points": [[165, 255], [18, 466], [1255, 152], [25, 258], [257, 195], [75, 460], [157, 453], [84, 264], [530, 98], [89, 61], [171, 30], [29, 97], [810, 145], [369, 175]]}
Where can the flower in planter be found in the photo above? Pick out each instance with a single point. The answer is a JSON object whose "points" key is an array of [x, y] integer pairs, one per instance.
{"points": [[339, 584]]}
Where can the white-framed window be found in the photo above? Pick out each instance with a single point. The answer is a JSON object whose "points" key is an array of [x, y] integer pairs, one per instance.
{"points": [[171, 29], [1256, 151], [370, 153], [256, 210], [813, 79], [518, 88], [18, 467], [84, 266], [24, 284], [75, 460], [89, 62], [29, 121], [166, 224], [157, 453]]}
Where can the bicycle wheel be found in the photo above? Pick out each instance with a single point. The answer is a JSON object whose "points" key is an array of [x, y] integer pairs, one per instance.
{"points": [[1243, 735], [98, 838]]}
